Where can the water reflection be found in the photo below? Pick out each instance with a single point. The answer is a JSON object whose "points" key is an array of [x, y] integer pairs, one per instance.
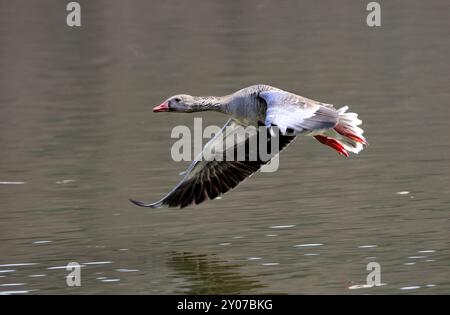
{"points": [[205, 274]]}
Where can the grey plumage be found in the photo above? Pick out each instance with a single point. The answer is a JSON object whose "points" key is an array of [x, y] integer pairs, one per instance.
{"points": [[255, 106]]}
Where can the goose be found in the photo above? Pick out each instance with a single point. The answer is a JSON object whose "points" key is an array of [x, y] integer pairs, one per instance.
{"points": [[282, 114]]}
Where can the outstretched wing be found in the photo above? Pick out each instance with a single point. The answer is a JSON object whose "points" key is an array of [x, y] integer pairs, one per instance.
{"points": [[294, 114], [207, 179]]}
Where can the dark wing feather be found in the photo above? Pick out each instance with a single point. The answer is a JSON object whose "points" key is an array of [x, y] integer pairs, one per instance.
{"points": [[209, 179]]}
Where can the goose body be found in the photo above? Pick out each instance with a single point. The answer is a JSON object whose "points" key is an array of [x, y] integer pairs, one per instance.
{"points": [[282, 114]]}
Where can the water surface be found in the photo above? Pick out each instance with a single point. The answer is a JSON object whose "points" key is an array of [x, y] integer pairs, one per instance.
{"points": [[78, 138]]}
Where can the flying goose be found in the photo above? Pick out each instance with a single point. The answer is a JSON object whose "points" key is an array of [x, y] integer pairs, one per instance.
{"points": [[283, 116]]}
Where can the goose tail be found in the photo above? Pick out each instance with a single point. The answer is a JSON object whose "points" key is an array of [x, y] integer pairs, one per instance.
{"points": [[346, 136]]}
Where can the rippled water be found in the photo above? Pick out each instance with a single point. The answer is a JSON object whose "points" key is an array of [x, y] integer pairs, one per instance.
{"points": [[78, 138]]}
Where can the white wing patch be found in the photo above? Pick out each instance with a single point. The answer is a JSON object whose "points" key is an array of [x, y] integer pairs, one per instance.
{"points": [[294, 114]]}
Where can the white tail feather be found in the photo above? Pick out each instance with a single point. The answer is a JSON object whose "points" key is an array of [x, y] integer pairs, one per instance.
{"points": [[346, 133]]}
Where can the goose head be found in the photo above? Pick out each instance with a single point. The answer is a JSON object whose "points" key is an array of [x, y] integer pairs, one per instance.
{"points": [[179, 103]]}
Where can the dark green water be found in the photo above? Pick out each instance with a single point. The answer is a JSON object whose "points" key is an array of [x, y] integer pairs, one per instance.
{"points": [[76, 127]]}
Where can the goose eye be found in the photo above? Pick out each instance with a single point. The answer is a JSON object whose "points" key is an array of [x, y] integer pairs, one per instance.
{"points": [[177, 99]]}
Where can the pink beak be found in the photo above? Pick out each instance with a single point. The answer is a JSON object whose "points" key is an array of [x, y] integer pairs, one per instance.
{"points": [[163, 107]]}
